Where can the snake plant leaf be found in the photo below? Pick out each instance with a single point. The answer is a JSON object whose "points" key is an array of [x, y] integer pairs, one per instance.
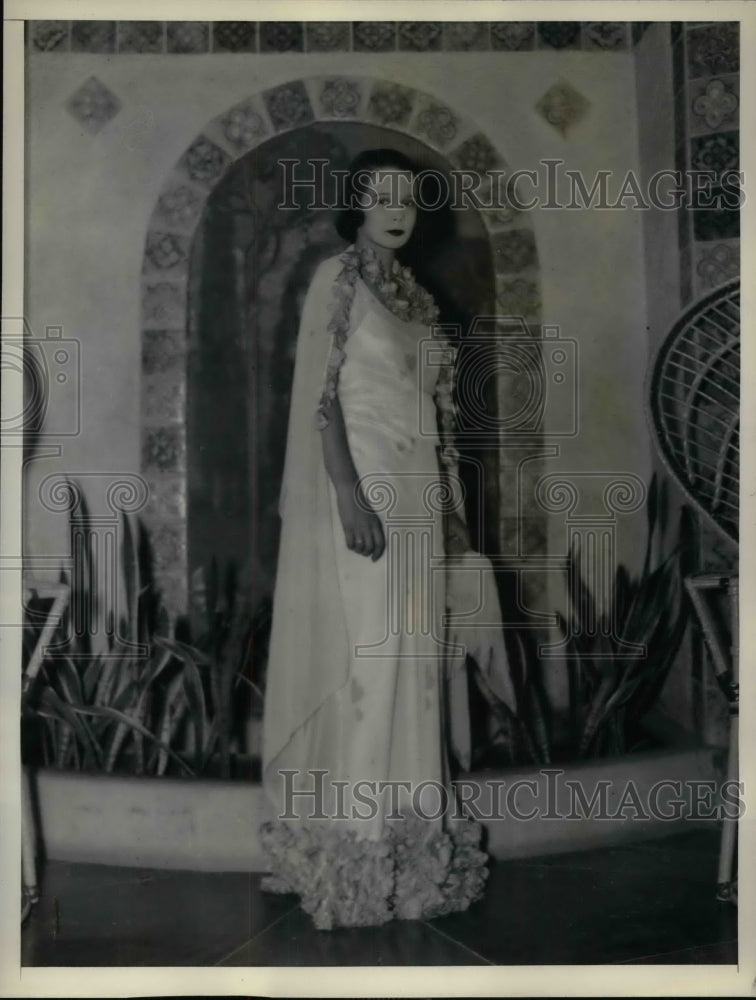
{"points": [[623, 593], [211, 741], [69, 680], [174, 709], [537, 717], [104, 710], [195, 697], [52, 706], [91, 678], [184, 651]]}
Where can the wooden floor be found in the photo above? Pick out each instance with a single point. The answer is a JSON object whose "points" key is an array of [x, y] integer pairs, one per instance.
{"points": [[651, 902]]}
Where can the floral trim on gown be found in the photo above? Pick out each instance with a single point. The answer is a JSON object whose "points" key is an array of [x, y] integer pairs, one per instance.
{"points": [[416, 868], [412, 872]]}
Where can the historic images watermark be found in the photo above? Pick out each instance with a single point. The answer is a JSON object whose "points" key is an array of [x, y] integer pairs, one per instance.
{"points": [[311, 184], [546, 795]]}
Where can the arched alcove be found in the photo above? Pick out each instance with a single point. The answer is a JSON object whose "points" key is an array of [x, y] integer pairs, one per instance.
{"points": [[170, 313]]}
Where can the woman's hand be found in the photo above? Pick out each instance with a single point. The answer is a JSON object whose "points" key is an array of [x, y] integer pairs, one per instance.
{"points": [[457, 535], [363, 530]]}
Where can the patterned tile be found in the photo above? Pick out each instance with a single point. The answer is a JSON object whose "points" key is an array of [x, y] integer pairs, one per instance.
{"points": [[609, 35], [517, 297], [719, 223], [187, 37], [167, 498], [533, 536], [288, 106], [163, 400], [477, 153], [437, 123], [374, 36], [535, 589], [164, 306], [140, 36], [340, 97], [715, 263], [162, 351], [49, 36], [514, 251], [716, 224], [420, 36], [163, 449], [713, 104], [562, 106], [179, 207], [166, 252], [234, 36], [512, 36], [502, 217], [93, 36], [390, 104], [525, 536], [93, 105], [327, 36], [714, 49], [715, 153], [465, 36], [168, 546], [204, 162], [559, 34], [243, 126], [281, 36]]}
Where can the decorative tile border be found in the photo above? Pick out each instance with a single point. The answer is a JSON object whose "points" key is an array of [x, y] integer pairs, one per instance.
{"points": [[166, 264], [141, 36], [270, 37], [706, 88], [234, 36], [328, 36]]}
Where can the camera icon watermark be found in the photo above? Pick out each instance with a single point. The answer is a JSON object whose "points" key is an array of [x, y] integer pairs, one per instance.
{"points": [[507, 380], [50, 367]]}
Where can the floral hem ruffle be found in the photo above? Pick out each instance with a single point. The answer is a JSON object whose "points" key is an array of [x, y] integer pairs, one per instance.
{"points": [[411, 872]]}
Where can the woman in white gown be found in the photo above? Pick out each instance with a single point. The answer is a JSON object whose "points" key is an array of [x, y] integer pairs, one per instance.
{"points": [[355, 671]]}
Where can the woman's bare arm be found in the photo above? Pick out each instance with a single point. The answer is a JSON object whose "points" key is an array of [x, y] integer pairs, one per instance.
{"points": [[362, 527]]}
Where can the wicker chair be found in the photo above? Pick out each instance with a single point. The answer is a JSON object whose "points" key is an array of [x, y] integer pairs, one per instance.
{"points": [[694, 404]]}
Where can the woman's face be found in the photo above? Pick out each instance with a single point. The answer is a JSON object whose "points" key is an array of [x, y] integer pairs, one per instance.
{"points": [[389, 208]]}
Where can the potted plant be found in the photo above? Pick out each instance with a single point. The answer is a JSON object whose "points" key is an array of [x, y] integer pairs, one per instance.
{"points": [[612, 691], [112, 734]]}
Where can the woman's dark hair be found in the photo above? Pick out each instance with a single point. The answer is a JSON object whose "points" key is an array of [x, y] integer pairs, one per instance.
{"points": [[349, 219]]}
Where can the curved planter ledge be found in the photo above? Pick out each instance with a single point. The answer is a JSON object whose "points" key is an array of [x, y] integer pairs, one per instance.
{"points": [[212, 825]]}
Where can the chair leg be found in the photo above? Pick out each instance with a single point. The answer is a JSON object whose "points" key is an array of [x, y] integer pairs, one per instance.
{"points": [[30, 889], [726, 885]]}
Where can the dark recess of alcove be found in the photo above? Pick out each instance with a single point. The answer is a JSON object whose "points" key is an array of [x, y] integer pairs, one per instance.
{"points": [[250, 267]]}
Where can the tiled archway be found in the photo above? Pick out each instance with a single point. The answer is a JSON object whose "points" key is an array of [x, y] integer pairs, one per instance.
{"points": [[165, 277]]}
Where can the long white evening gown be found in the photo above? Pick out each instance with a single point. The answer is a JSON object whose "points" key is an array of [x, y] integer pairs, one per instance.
{"points": [[354, 685]]}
